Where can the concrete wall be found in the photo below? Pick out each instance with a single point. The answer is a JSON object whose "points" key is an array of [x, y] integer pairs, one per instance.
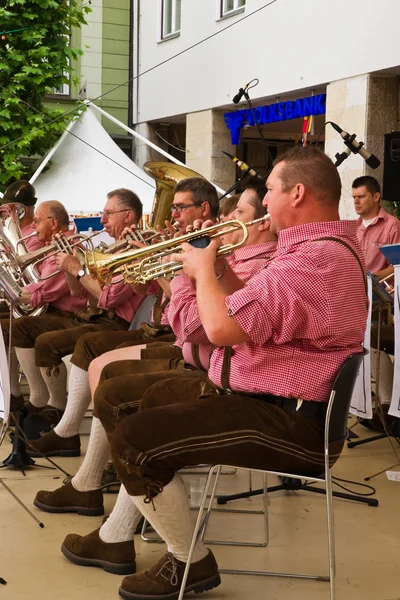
{"points": [[289, 45]]}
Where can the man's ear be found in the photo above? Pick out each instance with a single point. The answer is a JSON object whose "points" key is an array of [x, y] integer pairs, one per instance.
{"points": [[298, 194], [130, 217], [205, 210]]}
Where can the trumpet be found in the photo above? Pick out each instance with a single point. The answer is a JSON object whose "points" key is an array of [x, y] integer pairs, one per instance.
{"points": [[61, 244], [144, 264], [137, 235]]}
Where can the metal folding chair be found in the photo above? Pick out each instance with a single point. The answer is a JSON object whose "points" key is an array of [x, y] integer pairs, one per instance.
{"points": [[335, 430]]}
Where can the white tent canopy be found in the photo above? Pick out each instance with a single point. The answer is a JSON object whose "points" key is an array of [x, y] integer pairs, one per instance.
{"points": [[80, 177]]}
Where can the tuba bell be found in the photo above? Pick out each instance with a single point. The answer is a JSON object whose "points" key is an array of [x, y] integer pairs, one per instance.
{"points": [[166, 176], [13, 248]]}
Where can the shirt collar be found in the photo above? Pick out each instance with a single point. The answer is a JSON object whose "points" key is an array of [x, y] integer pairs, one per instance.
{"points": [[246, 252], [312, 231], [382, 214]]}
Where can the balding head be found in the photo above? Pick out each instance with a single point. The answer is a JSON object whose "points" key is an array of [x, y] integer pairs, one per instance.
{"points": [[50, 217], [57, 211]]}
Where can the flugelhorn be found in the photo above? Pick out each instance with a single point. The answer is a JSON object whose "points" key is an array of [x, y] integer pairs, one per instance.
{"points": [[136, 235], [61, 244], [144, 264]]}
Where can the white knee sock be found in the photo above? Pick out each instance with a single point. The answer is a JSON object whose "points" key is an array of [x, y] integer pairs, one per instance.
{"points": [[122, 522], [172, 520], [55, 379], [77, 405], [91, 470], [14, 375], [39, 394], [385, 374]]}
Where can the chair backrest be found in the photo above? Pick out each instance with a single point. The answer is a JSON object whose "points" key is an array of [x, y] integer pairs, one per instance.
{"points": [[343, 391], [143, 313]]}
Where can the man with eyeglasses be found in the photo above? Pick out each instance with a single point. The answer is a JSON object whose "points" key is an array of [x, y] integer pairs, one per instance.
{"points": [[41, 342], [49, 218], [194, 198]]}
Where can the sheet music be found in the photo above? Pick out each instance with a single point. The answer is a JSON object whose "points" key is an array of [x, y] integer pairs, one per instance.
{"points": [[394, 409], [361, 402], [4, 381]]}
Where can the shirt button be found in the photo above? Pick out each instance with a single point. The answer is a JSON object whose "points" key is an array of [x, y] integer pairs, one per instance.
{"points": [[229, 311], [186, 330]]}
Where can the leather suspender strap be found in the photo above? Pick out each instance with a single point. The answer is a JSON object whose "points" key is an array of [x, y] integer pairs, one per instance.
{"points": [[226, 368], [159, 308], [354, 253], [196, 357]]}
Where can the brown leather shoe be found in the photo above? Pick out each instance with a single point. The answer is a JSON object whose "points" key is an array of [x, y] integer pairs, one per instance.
{"points": [[42, 421], [51, 444], [90, 551], [67, 499], [163, 580]]}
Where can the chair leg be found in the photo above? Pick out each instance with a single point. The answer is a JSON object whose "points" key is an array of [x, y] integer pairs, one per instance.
{"points": [[331, 533], [263, 512], [197, 529]]}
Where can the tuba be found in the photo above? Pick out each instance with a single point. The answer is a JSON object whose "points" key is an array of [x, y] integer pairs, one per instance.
{"points": [[166, 176], [12, 249]]}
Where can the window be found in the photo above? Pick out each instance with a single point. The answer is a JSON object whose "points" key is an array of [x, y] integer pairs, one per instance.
{"points": [[63, 90], [229, 7], [170, 18]]}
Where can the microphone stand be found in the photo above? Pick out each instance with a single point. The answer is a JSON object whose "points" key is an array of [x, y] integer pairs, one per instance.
{"points": [[270, 160]]}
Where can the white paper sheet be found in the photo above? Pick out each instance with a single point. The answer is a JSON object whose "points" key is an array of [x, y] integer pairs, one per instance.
{"points": [[4, 382], [361, 402], [394, 409]]}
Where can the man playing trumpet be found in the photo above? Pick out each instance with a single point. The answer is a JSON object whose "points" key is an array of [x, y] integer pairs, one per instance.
{"points": [[291, 327]]}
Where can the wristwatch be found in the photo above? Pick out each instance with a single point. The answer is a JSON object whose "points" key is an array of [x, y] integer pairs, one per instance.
{"points": [[80, 274]]}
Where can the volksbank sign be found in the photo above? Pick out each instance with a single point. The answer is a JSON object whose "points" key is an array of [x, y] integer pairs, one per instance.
{"points": [[272, 113]]}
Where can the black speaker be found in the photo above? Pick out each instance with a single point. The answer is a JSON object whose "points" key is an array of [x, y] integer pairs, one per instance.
{"points": [[391, 167]]}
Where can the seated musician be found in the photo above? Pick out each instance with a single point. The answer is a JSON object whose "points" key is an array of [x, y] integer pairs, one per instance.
{"points": [[291, 327], [375, 228], [22, 192], [194, 198], [122, 385], [49, 218], [42, 341], [118, 396]]}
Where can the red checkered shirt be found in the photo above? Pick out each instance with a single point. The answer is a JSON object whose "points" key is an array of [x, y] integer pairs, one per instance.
{"points": [[385, 229], [304, 314], [184, 315]]}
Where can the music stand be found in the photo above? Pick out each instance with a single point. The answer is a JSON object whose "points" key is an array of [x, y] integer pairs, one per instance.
{"points": [[392, 254], [5, 397]]}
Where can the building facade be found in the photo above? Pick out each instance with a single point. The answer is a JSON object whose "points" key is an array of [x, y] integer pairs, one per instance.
{"points": [[104, 70], [190, 58]]}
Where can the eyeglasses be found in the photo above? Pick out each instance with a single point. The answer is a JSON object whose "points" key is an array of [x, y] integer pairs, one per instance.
{"points": [[109, 213], [178, 208], [36, 221]]}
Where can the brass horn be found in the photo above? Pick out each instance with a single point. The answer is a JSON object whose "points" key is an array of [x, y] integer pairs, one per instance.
{"points": [[143, 264], [61, 244], [166, 176]]}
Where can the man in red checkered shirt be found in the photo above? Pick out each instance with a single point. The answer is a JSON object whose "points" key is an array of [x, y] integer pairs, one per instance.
{"points": [[280, 340]]}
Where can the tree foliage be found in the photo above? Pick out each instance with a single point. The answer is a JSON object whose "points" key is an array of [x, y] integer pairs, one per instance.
{"points": [[35, 57]]}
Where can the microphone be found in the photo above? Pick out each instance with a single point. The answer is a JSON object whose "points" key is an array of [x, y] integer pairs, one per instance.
{"points": [[357, 147], [240, 94], [247, 170], [342, 156]]}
